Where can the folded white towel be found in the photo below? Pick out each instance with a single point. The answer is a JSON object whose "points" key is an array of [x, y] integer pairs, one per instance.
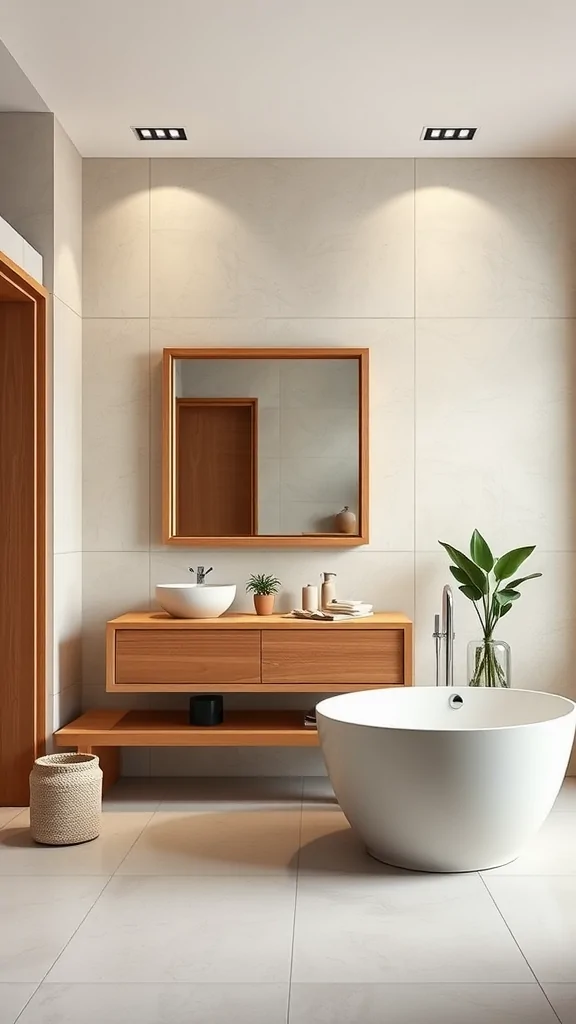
{"points": [[359, 609]]}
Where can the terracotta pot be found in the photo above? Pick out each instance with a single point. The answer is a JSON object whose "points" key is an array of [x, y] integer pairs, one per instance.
{"points": [[345, 521], [264, 604]]}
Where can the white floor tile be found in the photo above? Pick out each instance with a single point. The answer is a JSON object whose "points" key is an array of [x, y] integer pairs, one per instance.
{"points": [[157, 1004], [184, 929], [419, 1004], [401, 927], [563, 999], [38, 916], [541, 913], [203, 794], [8, 813], [328, 844], [134, 794], [20, 855], [217, 843], [13, 999], [551, 852]]}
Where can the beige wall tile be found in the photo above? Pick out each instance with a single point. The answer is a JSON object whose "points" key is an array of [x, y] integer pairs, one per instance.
{"points": [[495, 238], [248, 238], [112, 583], [116, 203], [67, 220], [116, 435], [67, 437], [495, 432], [67, 613]]}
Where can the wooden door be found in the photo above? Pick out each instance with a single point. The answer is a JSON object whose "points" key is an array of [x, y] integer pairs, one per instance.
{"points": [[22, 529], [216, 459]]}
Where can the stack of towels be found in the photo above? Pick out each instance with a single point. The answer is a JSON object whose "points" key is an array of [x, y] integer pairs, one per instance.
{"points": [[337, 611], [354, 609]]}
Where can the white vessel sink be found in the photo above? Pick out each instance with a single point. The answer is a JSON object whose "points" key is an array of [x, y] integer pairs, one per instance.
{"points": [[195, 600]]}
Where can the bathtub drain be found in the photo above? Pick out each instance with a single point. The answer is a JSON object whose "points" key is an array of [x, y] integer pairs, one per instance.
{"points": [[456, 701]]}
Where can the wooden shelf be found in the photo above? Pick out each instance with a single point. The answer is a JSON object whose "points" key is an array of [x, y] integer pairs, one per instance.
{"points": [[103, 728], [235, 620]]}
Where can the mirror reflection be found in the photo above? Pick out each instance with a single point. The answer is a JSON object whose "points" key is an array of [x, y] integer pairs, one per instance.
{"points": [[266, 446]]}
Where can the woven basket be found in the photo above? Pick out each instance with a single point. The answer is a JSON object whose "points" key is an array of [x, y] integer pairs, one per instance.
{"points": [[65, 799]]}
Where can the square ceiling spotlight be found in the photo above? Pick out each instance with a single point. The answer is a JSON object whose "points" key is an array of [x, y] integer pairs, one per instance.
{"points": [[448, 134], [160, 134]]}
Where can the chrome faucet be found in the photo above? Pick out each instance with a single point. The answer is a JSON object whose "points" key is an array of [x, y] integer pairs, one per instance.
{"points": [[201, 573], [446, 634]]}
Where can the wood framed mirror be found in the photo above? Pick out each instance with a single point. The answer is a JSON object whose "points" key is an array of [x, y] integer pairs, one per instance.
{"points": [[265, 447]]}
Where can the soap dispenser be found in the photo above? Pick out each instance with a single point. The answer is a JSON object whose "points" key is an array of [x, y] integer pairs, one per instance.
{"points": [[328, 589]]}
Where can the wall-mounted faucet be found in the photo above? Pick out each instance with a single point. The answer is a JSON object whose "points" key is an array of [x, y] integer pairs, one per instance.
{"points": [[446, 634], [201, 573]]}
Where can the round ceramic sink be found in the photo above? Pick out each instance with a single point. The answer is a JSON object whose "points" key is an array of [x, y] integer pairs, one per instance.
{"points": [[195, 600]]}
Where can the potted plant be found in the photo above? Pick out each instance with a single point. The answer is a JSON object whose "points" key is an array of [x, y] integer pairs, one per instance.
{"points": [[485, 580], [264, 589]]}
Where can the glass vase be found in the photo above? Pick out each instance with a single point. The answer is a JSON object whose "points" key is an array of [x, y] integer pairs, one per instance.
{"points": [[488, 663]]}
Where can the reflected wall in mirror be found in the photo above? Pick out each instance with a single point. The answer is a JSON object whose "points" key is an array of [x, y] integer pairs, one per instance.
{"points": [[265, 446]]}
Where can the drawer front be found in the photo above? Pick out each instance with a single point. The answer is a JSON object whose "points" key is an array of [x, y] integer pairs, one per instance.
{"points": [[334, 657], [205, 657]]}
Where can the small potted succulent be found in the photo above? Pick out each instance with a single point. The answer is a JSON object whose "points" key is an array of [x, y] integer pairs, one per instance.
{"points": [[264, 588]]}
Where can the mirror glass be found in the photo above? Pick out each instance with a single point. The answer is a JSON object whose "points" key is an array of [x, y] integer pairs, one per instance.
{"points": [[265, 446]]}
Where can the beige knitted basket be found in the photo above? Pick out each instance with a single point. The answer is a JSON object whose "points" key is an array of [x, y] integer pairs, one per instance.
{"points": [[65, 799]]}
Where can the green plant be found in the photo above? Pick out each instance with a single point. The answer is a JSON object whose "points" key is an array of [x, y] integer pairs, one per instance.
{"points": [[260, 584], [484, 580]]}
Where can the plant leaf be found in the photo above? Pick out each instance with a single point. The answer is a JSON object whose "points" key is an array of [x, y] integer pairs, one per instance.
{"points": [[504, 610], [480, 552], [506, 596], [516, 583], [475, 575], [471, 592], [460, 575], [506, 565]]}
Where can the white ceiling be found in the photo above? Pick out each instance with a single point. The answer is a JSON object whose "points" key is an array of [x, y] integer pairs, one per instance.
{"points": [[320, 78]]}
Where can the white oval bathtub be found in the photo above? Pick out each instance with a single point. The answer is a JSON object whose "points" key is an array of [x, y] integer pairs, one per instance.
{"points": [[435, 788]]}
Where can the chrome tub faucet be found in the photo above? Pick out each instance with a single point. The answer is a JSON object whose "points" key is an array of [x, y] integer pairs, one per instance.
{"points": [[201, 573]]}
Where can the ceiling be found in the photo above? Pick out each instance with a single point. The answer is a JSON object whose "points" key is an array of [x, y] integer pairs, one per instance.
{"points": [[16, 92], [303, 78]]}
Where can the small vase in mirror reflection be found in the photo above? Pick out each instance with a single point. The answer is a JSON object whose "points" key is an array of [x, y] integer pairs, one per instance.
{"points": [[345, 521]]}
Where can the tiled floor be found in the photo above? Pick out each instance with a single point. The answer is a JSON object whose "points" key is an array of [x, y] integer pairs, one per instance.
{"points": [[250, 900]]}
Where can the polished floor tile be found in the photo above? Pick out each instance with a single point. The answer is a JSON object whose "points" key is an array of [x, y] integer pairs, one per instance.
{"points": [[38, 916], [541, 913], [419, 1004], [551, 852], [13, 999], [563, 999], [328, 845], [8, 813], [20, 855], [223, 929], [134, 794], [157, 1004], [217, 843], [401, 927]]}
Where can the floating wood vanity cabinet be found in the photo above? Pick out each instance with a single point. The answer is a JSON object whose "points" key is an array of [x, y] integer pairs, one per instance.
{"points": [[150, 652]]}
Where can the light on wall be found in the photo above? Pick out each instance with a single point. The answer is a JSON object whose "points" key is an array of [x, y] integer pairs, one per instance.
{"points": [[160, 134], [448, 134]]}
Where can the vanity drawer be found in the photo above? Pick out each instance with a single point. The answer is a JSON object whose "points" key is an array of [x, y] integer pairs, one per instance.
{"points": [[200, 657], [331, 656]]}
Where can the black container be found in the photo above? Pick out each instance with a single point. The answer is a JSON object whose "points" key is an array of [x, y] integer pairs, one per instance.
{"points": [[206, 709]]}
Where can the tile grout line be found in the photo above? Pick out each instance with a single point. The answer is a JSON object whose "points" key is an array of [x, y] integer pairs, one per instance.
{"points": [[517, 944], [302, 786]]}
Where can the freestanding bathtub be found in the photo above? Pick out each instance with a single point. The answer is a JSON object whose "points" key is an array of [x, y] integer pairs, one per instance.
{"points": [[446, 779]]}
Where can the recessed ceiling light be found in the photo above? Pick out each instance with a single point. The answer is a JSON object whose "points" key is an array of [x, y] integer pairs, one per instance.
{"points": [[160, 134], [448, 134]]}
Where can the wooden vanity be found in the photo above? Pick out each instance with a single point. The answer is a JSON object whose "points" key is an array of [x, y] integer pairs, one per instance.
{"points": [[150, 652]]}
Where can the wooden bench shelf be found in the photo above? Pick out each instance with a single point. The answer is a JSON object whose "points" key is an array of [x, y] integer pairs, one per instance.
{"points": [[105, 732]]}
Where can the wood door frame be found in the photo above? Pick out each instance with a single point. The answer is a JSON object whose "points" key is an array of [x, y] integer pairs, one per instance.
{"points": [[169, 535], [17, 286], [242, 403]]}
